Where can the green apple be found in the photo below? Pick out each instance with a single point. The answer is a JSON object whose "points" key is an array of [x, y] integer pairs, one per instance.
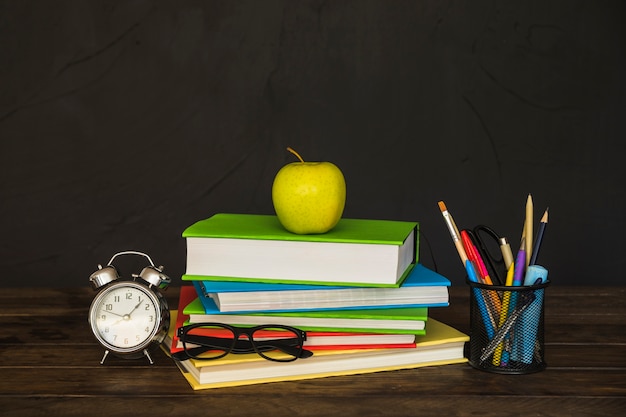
{"points": [[309, 197]]}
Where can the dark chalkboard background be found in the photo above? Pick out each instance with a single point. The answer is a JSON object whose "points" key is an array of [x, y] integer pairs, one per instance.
{"points": [[121, 123]]}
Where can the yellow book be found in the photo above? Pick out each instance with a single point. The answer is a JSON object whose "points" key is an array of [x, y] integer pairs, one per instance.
{"points": [[195, 385], [441, 345]]}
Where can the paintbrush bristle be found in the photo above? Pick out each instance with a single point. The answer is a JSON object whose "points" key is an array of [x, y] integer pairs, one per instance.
{"points": [[442, 206]]}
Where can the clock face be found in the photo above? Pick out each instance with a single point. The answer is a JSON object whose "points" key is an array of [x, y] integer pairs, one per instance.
{"points": [[125, 317]]}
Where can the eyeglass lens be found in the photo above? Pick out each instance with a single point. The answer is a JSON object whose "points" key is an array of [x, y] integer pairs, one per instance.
{"points": [[215, 341]]}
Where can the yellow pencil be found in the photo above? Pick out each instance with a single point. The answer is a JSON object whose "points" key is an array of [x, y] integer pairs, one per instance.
{"points": [[497, 354]]}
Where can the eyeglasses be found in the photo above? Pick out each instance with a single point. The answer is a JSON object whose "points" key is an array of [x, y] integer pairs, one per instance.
{"points": [[206, 341]]}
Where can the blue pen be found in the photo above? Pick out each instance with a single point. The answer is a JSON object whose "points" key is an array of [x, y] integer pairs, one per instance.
{"points": [[482, 306]]}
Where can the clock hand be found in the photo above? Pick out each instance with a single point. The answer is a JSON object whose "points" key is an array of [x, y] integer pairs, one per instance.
{"points": [[122, 318], [135, 308]]}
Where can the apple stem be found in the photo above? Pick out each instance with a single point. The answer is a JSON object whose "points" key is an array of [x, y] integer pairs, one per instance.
{"points": [[295, 153]]}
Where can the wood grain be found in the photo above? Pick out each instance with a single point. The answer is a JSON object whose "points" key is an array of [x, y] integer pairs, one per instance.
{"points": [[49, 362]]}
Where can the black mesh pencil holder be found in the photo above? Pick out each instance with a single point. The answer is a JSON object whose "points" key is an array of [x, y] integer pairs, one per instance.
{"points": [[507, 328]]}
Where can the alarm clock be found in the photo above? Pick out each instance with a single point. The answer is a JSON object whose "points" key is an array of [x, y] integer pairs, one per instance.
{"points": [[129, 317]]}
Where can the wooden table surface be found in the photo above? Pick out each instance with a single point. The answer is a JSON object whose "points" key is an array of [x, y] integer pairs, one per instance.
{"points": [[49, 365]]}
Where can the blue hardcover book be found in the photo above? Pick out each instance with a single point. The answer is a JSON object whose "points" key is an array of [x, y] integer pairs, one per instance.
{"points": [[421, 288]]}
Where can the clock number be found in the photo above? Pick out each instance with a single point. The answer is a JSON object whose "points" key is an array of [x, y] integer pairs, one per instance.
{"points": [[124, 317]]}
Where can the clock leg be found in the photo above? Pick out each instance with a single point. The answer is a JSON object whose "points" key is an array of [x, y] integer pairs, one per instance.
{"points": [[145, 352], [106, 353]]}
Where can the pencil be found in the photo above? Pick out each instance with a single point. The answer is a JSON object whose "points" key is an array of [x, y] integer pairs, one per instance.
{"points": [[506, 298], [454, 232], [528, 228], [542, 228]]}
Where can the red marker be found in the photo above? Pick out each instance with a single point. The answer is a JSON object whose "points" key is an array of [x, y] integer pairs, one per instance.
{"points": [[474, 256]]}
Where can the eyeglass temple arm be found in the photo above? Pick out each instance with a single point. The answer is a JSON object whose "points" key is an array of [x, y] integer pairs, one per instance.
{"points": [[281, 345], [205, 343]]}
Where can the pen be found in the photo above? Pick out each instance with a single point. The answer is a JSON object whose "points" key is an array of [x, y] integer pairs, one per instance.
{"points": [[520, 264], [454, 232], [507, 254], [488, 320], [542, 228], [536, 274], [477, 261], [528, 227], [518, 276], [474, 256]]}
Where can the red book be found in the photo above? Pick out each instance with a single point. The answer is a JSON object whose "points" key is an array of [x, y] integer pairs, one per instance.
{"points": [[315, 340]]}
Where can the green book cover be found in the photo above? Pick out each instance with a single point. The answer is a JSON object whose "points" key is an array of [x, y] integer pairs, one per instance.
{"points": [[354, 252], [267, 227], [207, 307]]}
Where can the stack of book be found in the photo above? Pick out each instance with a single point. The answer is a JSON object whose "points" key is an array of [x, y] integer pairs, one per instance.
{"points": [[358, 291]]}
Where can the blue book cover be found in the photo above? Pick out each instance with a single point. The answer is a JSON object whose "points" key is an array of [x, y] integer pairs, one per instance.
{"points": [[421, 288]]}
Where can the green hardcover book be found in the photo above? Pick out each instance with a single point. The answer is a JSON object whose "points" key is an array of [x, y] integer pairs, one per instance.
{"points": [[441, 345], [408, 320], [253, 247]]}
